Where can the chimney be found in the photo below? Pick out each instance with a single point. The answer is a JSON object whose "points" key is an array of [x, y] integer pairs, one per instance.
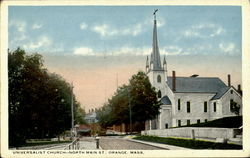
{"points": [[174, 81], [229, 80], [239, 88]]}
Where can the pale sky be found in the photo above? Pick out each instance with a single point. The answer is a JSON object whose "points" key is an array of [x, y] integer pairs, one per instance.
{"points": [[100, 47]]}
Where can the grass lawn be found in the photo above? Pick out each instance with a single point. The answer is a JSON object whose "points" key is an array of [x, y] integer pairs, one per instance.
{"points": [[188, 143], [226, 122]]}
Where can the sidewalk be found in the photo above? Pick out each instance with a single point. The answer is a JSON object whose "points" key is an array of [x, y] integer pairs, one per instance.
{"points": [[83, 145], [57, 147], [86, 145], [164, 146]]}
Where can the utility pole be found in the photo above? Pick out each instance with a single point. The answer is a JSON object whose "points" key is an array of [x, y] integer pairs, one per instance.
{"points": [[130, 112], [72, 111]]}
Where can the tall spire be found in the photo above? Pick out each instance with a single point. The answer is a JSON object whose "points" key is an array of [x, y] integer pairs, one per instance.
{"points": [[155, 52]]}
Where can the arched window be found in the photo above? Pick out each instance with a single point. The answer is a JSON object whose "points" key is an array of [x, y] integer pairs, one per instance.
{"points": [[159, 94], [159, 79]]}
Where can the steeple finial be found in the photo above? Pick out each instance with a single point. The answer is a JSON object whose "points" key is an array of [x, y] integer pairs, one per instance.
{"points": [[155, 14]]}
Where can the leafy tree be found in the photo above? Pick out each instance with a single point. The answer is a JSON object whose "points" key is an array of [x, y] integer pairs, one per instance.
{"points": [[105, 116], [79, 113], [235, 107], [39, 101], [15, 74], [138, 96], [144, 102]]}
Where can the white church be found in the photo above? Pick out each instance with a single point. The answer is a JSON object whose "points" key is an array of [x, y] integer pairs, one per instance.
{"points": [[187, 100]]}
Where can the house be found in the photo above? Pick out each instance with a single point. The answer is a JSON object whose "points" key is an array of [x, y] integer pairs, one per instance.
{"points": [[91, 117], [187, 100]]}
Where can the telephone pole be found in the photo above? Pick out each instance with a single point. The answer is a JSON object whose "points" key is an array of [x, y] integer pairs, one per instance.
{"points": [[72, 111], [130, 111]]}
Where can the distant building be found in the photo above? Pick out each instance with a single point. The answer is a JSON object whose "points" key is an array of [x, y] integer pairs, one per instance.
{"points": [[91, 117], [187, 100], [83, 130]]}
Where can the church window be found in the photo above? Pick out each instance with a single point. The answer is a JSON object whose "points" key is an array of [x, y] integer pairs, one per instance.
{"points": [[159, 79], [188, 107], [188, 122], [205, 106], [214, 106], [231, 91], [179, 104], [198, 121], [159, 94], [166, 125], [179, 123]]}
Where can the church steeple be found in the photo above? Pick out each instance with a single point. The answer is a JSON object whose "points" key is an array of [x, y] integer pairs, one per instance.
{"points": [[155, 56], [157, 74]]}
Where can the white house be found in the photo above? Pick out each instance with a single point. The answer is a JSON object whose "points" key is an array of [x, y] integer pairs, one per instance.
{"points": [[187, 100], [91, 117]]}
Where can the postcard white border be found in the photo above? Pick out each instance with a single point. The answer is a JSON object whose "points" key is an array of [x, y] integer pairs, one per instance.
{"points": [[148, 153]]}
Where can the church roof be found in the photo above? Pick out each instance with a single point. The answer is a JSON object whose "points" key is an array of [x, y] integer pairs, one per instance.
{"points": [[165, 100], [221, 92], [199, 85]]}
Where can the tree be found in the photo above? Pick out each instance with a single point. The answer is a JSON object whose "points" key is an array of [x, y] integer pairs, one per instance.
{"points": [[105, 116], [235, 107], [15, 74], [39, 101], [144, 102], [138, 95], [79, 113]]}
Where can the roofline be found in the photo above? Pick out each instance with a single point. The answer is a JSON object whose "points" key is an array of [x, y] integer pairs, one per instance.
{"points": [[194, 92], [228, 90], [222, 94], [236, 90], [191, 77], [168, 98]]}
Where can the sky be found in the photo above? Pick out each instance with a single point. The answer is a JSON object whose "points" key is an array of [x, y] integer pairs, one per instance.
{"points": [[98, 48]]}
